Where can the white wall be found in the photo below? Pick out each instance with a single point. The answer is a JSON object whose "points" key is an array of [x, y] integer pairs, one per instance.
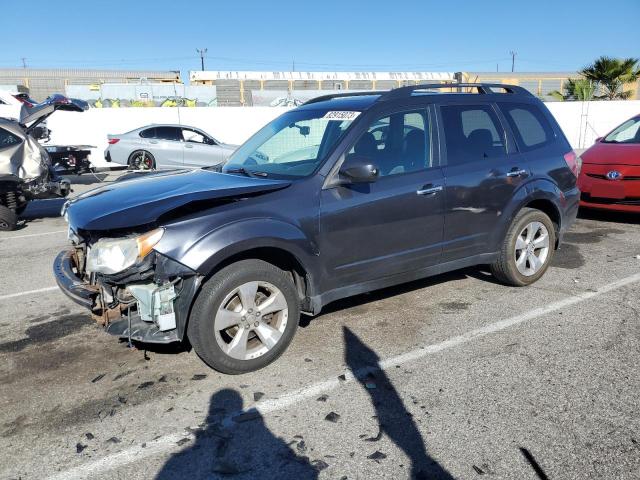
{"points": [[582, 122]]}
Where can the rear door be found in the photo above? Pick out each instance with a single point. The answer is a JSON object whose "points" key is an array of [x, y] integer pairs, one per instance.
{"points": [[200, 150], [483, 170], [167, 147]]}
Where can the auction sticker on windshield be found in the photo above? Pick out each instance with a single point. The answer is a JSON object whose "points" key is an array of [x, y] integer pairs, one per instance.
{"points": [[343, 115]]}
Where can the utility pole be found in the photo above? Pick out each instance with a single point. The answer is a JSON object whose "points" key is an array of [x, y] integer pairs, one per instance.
{"points": [[513, 60], [202, 52], [293, 64], [24, 62]]}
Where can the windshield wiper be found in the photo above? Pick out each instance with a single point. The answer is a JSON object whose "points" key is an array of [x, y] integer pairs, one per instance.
{"points": [[248, 173]]}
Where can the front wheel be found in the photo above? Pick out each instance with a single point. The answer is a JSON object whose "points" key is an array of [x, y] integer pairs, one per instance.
{"points": [[527, 249], [244, 317]]}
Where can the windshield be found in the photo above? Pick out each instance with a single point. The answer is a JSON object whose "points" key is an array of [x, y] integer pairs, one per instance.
{"points": [[291, 146], [628, 132]]}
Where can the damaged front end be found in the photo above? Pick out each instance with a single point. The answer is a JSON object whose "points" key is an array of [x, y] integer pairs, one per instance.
{"points": [[132, 290]]}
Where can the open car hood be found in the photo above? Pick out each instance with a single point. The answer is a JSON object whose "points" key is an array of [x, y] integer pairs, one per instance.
{"points": [[32, 114], [142, 201]]}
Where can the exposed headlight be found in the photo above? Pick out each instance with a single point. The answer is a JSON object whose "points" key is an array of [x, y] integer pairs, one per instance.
{"points": [[114, 255]]}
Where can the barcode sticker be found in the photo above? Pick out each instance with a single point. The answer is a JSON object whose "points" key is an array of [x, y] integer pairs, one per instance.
{"points": [[344, 115]]}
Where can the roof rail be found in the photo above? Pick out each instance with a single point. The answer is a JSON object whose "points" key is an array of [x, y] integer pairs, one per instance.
{"points": [[405, 92], [346, 94], [483, 88]]}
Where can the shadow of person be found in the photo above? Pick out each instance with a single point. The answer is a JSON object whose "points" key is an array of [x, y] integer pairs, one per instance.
{"points": [[394, 420], [247, 450]]}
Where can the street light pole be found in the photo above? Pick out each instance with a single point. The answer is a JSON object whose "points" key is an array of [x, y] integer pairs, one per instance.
{"points": [[202, 52], [513, 60]]}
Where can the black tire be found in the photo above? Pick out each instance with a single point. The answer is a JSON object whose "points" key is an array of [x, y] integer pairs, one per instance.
{"points": [[504, 268], [8, 219], [201, 331], [148, 161]]}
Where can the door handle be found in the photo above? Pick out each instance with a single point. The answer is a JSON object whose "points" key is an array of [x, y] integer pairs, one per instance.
{"points": [[429, 190], [188, 145], [516, 172], [153, 141]]}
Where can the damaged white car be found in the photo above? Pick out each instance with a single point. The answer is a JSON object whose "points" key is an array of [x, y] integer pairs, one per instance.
{"points": [[25, 167]]}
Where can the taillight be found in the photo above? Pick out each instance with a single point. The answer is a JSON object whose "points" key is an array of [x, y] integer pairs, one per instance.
{"points": [[113, 140], [573, 162]]}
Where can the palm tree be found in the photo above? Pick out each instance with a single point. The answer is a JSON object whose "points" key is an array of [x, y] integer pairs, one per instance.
{"points": [[611, 74], [580, 89]]}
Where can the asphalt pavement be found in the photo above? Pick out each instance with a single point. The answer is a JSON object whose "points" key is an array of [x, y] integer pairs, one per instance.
{"points": [[454, 376]]}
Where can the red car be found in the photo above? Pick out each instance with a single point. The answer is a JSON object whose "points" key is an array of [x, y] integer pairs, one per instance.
{"points": [[610, 176]]}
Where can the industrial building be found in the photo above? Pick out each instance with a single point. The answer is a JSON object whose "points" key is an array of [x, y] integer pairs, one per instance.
{"points": [[270, 88], [43, 82]]}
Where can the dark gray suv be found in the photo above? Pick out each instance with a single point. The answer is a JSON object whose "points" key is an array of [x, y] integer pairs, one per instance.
{"points": [[343, 195]]}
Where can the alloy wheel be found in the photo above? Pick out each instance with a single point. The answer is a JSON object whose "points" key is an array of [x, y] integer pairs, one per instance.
{"points": [[532, 248], [251, 320]]}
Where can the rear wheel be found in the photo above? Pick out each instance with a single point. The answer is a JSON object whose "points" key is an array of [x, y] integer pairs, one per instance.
{"points": [[245, 317], [8, 219], [141, 160], [527, 249]]}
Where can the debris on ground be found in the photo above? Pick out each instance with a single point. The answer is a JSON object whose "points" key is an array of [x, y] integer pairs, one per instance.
{"points": [[245, 417], [332, 417], [182, 441], [342, 377], [113, 440], [80, 447], [478, 470], [89, 436], [98, 378], [145, 385], [301, 446], [319, 465], [376, 456], [257, 396], [199, 376], [322, 398], [162, 379]]}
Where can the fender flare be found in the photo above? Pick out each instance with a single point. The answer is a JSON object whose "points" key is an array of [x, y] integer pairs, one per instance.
{"points": [[237, 237], [536, 189]]}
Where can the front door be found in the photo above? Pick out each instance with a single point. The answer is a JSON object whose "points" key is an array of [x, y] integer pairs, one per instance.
{"points": [[482, 172], [199, 149], [392, 225]]}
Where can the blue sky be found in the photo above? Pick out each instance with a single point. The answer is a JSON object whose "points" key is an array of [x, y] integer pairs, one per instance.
{"points": [[323, 35]]}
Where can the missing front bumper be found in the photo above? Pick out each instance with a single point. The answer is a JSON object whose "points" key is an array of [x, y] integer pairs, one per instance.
{"points": [[115, 318]]}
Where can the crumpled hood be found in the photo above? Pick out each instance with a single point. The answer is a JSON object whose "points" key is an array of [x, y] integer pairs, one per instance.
{"points": [[142, 201]]}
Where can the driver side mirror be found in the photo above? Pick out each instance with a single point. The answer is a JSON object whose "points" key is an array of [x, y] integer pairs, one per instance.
{"points": [[598, 140], [359, 170]]}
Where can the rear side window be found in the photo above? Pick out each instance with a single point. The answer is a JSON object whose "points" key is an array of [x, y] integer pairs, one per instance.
{"points": [[7, 138], [472, 133], [169, 133], [148, 133], [531, 128]]}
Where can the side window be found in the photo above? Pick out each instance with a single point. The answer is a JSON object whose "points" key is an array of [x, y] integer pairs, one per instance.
{"points": [[472, 133], [169, 133], [7, 139], [398, 143], [148, 133], [531, 128], [192, 136]]}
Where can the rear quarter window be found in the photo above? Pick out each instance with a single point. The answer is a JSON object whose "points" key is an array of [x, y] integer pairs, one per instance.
{"points": [[529, 125], [7, 139], [148, 133]]}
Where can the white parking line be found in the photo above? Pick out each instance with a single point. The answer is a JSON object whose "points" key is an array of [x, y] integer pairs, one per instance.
{"points": [[168, 442], [33, 235], [28, 292]]}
